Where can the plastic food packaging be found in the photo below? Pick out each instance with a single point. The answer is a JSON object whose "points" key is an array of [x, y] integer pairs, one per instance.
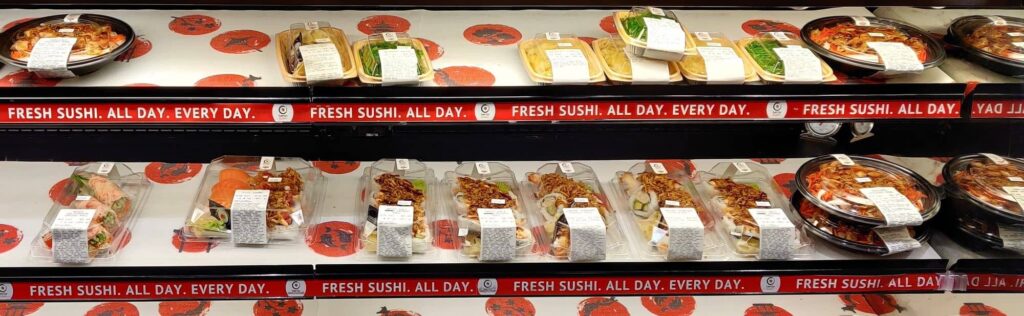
{"points": [[491, 187], [852, 44], [558, 58], [643, 192], [567, 197], [984, 184], [868, 191], [726, 67], [100, 39], [762, 52], [399, 197], [632, 27], [281, 192], [995, 42], [289, 57], [370, 66], [95, 215], [612, 53], [854, 236], [732, 190]]}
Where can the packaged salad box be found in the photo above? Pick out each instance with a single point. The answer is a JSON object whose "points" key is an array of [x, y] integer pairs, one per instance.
{"points": [[624, 67], [401, 207], [320, 36], [717, 61], [559, 58], [654, 33], [771, 52], [392, 58], [863, 46]]}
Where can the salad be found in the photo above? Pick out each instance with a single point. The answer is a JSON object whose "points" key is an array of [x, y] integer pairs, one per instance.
{"points": [[535, 58], [647, 192], [285, 188], [389, 189], [555, 191], [322, 33], [470, 194]]}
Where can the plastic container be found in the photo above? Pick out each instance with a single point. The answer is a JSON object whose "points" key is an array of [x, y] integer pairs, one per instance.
{"points": [[368, 60], [117, 195], [843, 43], [694, 68], [288, 212], [535, 60], [397, 182], [640, 204], [995, 42], [759, 51], [82, 61], [846, 234], [730, 193], [493, 186], [290, 61], [835, 187], [552, 188], [632, 29], [612, 55], [975, 183], [977, 232]]}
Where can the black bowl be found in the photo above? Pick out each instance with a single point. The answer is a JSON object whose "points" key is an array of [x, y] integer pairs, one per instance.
{"points": [[78, 67], [859, 68], [964, 26], [921, 233]]}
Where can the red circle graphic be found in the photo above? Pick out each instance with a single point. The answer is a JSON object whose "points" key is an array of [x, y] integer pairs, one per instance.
{"points": [[10, 237], [383, 23], [753, 27], [172, 173], [240, 41], [336, 166], [11, 24], [196, 24], [509, 306], [445, 235], [461, 76], [60, 192], [601, 306], [19, 308], [184, 308], [334, 239], [766, 310], [113, 309], [24, 78], [277, 308], [139, 48], [492, 34], [181, 244], [669, 305], [608, 25], [228, 80], [979, 309], [434, 51]]}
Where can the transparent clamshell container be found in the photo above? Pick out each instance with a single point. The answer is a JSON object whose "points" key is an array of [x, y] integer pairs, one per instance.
{"points": [[844, 43], [640, 206], [115, 192], [535, 60], [288, 42], [731, 192], [545, 204], [465, 189], [632, 30], [846, 234], [975, 183], [694, 68], [288, 212], [760, 52], [384, 183], [995, 42], [368, 59], [612, 55]]}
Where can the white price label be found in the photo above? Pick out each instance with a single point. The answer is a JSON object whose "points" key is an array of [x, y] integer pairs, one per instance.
{"points": [[894, 206], [266, 163], [274, 180], [1012, 236], [685, 233], [897, 57], [483, 167], [322, 62], [656, 11], [72, 18], [394, 231], [996, 159], [398, 65], [860, 21], [780, 36], [249, 217], [777, 233], [1015, 34], [566, 167], [765, 204], [665, 35], [876, 34], [404, 203], [66, 31], [722, 64], [552, 36], [297, 217], [498, 201], [70, 234], [587, 240], [704, 36], [741, 167], [389, 36], [568, 66], [672, 203], [897, 239], [646, 71], [862, 179], [658, 168], [83, 198], [844, 159], [402, 164], [1015, 179], [312, 25], [497, 234], [580, 200], [800, 63], [49, 57], [105, 168], [1017, 193]]}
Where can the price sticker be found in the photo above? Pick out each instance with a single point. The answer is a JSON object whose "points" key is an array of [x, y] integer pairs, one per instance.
{"points": [[685, 233], [860, 21], [862, 179], [801, 65], [402, 164], [656, 11], [249, 217], [483, 167], [587, 240], [780, 36], [566, 167], [894, 206], [552, 36], [722, 64], [266, 163], [665, 35], [897, 239], [777, 233], [658, 168], [498, 201], [1017, 193], [311, 25], [1012, 236], [389, 36], [645, 70], [844, 159], [49, 57], [72, 18], [497, 234], [1015, 179], [897, 57], [394, 231], [568, 66], [398, 65], [70, 234], [704, 36], [105, 168], [322, 62], [764, 204], [741, 167]]}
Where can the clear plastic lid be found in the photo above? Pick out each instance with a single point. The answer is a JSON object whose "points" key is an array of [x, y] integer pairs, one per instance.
{"points": [[612, 54], [632, 28], [647, 187], [96, 35], [556, 186], [368, 56], [999, 37], [694, 67], [309, 33], [846, 234], [400, 182], [984, 181], [836, 187], [846, 38], [492, 185], [731, 190], [115, 192], [761, 51], [533, 52], [296, 191]]}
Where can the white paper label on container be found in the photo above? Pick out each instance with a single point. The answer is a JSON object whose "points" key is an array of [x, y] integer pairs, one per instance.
{"points": [[741, 167], [860, 21], [389, 36], [1015, 34], [800, 63], [862, 179], [312, 25], [665, 35], [876, 34], [497, 234], [298, 218], [568, 66], [463, 232], [780, 36], [894, 206], [658, 168], [777, 233], [322, 62], [483, 167], [685, 233], [996, 20], [564, 44], [722, 64], [83, 198], [1012, 236], [844, 159], [646, 70], [897, 239], [394, 231], [72, 18], [49, 57], [996, 159], [402, 164], [274, 180], [266, 163], [398, 65], [656, 11], [498, 201], [566, 167], [580, 200], [897, 57], [66, 30], [552, 36], [249, 217], [70, 234], [672, 203], [704, 36], [1018, 44], [1015, 179], [105, 168], [1017, 193], [404, 203], [764, 204], [587, 240]]}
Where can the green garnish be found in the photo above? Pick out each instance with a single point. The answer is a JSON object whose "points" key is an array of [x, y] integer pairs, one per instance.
{"points": [[419, 185], [370, 56], [636, 28], [210, 224], [98, 240], [764, 55], [503, 187], [83, 184]]}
